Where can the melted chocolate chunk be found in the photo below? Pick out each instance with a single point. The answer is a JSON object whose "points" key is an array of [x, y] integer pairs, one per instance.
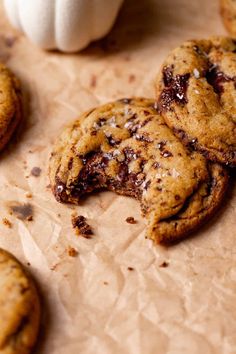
{"points": [[123, 172], [143, 137], [146, 185], [166, 153], [112, 141], [92, 175], [146, 113], [217, 78], [161, 145], [130, 154], [145, 122], [101, 122], [174, 91], [70, 163]]}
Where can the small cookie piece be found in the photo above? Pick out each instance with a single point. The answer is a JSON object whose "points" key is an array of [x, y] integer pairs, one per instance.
{"points": [[10, 105], [19, 307], [228, 13], [126, 147], [196, 93]]}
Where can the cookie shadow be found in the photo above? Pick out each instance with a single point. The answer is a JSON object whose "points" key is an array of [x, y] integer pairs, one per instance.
{"points": [[134, 25], [45, 320], [24, 124]]}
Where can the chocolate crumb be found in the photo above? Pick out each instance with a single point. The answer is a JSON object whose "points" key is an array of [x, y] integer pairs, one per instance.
{"points": [[164, 264], [81, 227], [105, 283], [72, 252], [131, 220], [22, 211], [7, 223], [130, 269], [28, 195], [36, 171]]}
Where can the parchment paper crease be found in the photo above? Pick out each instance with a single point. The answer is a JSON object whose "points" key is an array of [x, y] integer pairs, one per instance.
{"points": [[113, 297]]}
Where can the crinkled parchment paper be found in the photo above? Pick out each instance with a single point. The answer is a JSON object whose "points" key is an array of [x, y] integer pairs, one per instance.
{"points": [[115, 296]]}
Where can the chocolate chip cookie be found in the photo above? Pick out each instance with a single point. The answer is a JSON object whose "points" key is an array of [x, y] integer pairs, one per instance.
{"points": [[196, 95], [126, 147], [19, 307], [228, 13], [10, 105]]}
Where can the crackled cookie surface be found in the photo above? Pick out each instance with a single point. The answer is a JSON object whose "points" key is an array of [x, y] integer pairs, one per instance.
{"points": [[126, 147], [19, 307], [228, 13], [196, 95], [10, 105]]}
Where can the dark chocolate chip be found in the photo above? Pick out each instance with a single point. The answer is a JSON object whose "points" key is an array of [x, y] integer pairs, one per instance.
{"points": [[131, 220], [166, 153], [217, 78]]}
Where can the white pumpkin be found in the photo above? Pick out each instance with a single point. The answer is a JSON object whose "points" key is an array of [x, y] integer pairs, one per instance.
{"points": [[68, 25]]}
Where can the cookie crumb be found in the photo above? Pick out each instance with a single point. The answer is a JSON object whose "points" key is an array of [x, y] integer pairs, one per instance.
{"points": [[28, 195], [105, 283], [7, 223], [130, 269], [82, 228], [132, 78], [131, 220], [164, 264], [72, 252], [36, 171]]}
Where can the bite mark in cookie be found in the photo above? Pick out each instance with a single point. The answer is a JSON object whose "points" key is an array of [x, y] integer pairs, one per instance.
{"points": [[156, 168]]}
